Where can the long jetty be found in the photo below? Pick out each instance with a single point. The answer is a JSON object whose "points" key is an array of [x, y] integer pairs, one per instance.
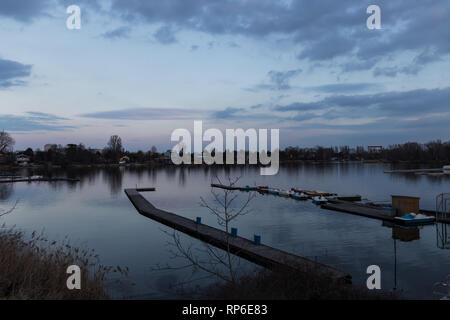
{"points": [[359, 209], [260, 254]]}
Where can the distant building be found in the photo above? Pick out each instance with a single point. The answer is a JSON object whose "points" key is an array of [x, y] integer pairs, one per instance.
{"points": [[22, 160], [48, 147], [3, 158], [375, 149], [124, 160]]}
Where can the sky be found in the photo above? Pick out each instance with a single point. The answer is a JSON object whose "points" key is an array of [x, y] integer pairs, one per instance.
{"points": [[141, 69]]}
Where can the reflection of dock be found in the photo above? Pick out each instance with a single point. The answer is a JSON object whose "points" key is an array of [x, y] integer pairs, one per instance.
{"points": [[414, 170], [257, 253], [24, 179]]}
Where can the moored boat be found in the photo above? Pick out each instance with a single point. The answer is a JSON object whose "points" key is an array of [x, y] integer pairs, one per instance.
{"points": [[299, 196], [411, 219], [263, 189], [319, 200], [248, 188], [320, 193], [273, 191], [284, 193]]}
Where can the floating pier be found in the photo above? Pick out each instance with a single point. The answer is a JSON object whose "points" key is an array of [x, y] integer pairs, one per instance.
{"points": [[359, 209], [373, 211], [310, 194], [257, 253]]}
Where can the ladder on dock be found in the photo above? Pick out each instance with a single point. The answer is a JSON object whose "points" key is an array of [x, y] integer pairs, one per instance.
{"points": [[442, 214]]}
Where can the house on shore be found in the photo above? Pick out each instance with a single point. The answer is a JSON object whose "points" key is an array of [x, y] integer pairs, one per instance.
{"points": [[22, 160], [374, 149]]}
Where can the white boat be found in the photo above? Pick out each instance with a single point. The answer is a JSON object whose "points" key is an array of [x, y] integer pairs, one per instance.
{"points": [[284, 193], [415, 219], [446, 169], [319, 200], [273, 191], [299, 196]]}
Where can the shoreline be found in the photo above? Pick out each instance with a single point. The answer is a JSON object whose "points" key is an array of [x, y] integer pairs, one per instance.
{"points": [[159, 164]]}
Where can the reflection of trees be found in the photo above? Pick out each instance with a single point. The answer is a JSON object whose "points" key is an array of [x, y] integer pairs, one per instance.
{"points": [[114, 178], [6, 189], [182, 177]]}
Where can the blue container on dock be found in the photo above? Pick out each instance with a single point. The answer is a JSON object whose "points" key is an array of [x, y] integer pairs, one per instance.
{"points": [[234, 232], [199, 220], [257, 239]]}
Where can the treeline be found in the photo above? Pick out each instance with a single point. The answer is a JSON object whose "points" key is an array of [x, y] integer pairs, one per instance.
{"points": [[78, 154], [433, 151], [114, 153]]}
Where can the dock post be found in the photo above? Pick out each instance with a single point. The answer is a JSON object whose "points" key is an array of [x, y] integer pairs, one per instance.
{"points": [[234, 232], [199, 220], [257, 239]]}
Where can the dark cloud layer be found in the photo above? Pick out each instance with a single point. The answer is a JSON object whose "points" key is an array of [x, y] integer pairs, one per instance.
{"points": [[23, 10], [345, 87], [412, 103], [11, 73], [278, 80], [144, 114], [228, 113], [33, 121], [165, 35], [324, 30], [118, 33]]}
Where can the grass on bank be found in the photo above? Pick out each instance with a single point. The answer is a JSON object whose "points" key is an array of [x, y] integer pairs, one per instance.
{"points": [[293, 285], [36, 268]]}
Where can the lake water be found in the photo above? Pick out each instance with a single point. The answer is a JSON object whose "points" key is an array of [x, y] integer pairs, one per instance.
{"points": [[96, 213]]}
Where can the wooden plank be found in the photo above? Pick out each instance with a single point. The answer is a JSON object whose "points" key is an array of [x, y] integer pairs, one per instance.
{"points": [[260, 254]]}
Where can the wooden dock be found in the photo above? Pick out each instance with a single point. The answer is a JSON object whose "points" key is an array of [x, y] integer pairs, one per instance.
{"points": [[374, 212], [359, 209], [259, 254]]}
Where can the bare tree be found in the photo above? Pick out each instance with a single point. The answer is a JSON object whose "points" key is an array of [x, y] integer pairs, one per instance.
{"points": [[221, 264], [114, 148], [115, 144], [6, 141], [5, 212]]}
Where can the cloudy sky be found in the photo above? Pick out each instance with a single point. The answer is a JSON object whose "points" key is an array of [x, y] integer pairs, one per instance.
{"points": [[141, 69]]}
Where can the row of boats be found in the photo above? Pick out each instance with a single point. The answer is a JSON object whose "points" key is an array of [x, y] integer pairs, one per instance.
{"points": [[318, 197]]}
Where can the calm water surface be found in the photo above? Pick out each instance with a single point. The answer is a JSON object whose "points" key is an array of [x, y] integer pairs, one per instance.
{"points": [[96, 213]]}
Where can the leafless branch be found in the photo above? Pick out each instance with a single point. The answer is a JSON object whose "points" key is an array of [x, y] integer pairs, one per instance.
{"points": [[4, 213]]}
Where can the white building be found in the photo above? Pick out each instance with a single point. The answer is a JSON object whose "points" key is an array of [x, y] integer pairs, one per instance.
{"points": [[375, 149]]}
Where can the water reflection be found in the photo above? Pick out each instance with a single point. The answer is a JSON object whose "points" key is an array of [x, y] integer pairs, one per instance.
{"points": [[6, 189], [100, 214], [114, 179], [442, 236]]}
